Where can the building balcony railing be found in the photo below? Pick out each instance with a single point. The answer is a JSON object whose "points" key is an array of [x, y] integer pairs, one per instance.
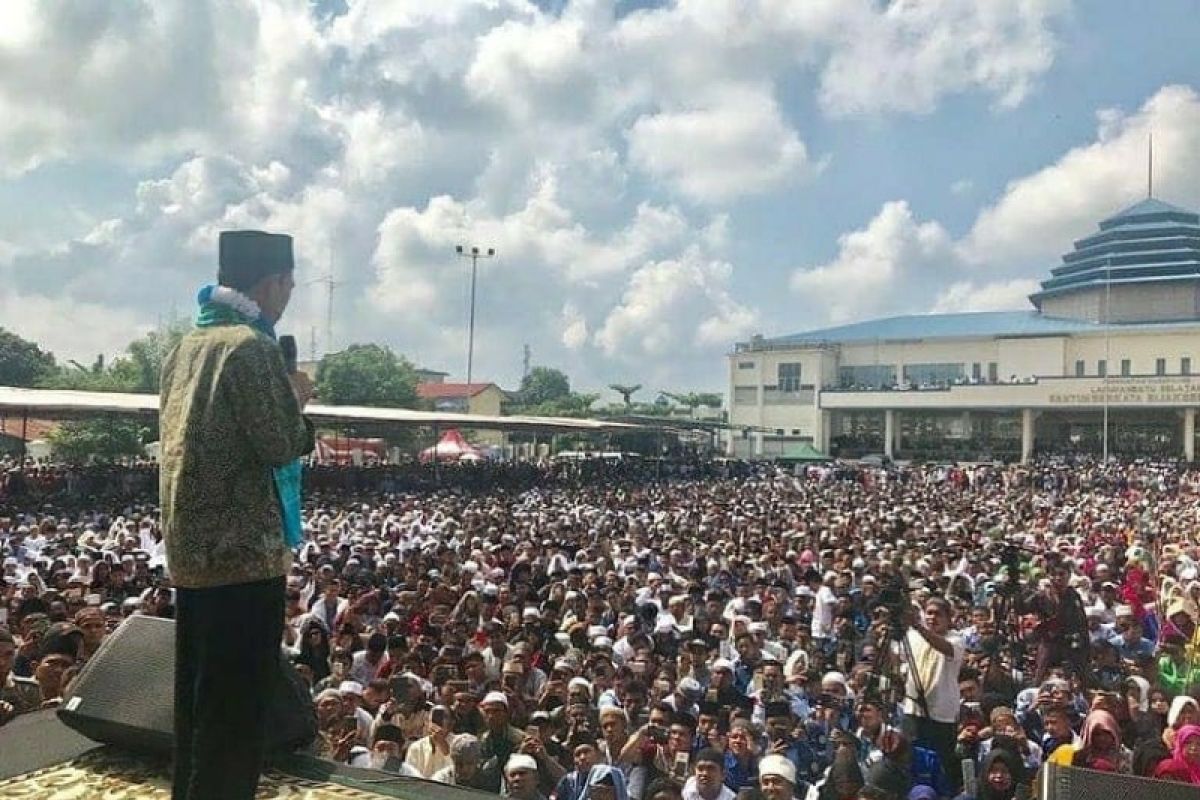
{"points": [[1055, 392]]}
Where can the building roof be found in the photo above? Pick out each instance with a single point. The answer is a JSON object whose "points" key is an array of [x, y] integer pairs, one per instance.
{"points": [[70, 404], [1149, 210], [1148, 241], [33, 428], [440, 391], [941, 326]]}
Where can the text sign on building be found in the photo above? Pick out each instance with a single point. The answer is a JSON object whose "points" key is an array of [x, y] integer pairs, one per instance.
{"points": [[1173, 390]]}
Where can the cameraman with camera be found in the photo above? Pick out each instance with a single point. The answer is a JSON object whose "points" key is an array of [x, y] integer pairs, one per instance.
{"points": [[935, 655], [1062, 633]]}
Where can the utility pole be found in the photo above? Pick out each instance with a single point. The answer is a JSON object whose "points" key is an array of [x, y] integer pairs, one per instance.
{"points": [[312, 344], [1107, 349], [1150, 167], [331, 285], [525, 362], [473, 253]]}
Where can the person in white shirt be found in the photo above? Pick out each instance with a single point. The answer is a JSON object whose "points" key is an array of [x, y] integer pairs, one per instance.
{"points": [[352, 692], [387, 746], [708, 778], [822, 618], [932, 696], [431, 754]]}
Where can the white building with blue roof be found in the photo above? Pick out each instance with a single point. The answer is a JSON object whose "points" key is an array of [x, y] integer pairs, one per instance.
{"points": [[1113, 335]]}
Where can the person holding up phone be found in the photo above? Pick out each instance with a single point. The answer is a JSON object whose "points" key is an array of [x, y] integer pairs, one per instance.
{"points": [[431, 753], [17, 695]]}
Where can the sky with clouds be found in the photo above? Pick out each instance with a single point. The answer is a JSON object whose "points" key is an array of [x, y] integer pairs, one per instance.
{"points": [[659, 178]]}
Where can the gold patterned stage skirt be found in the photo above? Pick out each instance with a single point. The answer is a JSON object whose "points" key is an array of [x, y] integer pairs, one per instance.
{"points": [[106, 774]]}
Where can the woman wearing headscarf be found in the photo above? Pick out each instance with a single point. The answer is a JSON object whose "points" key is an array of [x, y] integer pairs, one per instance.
{"points": [[1142, 725], [1100, 746], [314, 650], [1159, 705], [1184, 764], [844, 778], [1184, 711], [1002, 776], [605, 782]]}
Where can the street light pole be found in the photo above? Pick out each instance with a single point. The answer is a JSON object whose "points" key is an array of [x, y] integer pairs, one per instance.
{"points": [[474, 254], [1107, 348]]}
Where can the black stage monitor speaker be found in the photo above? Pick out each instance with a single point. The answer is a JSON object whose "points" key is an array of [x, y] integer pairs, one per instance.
{"points": [[125, 695]]}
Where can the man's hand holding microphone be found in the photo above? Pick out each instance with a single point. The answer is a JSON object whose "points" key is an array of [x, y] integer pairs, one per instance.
{"points": [[302, 385]]}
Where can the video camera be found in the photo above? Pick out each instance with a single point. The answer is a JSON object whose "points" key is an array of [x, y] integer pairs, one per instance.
{"points": [[893, 596], [1010, 560]]}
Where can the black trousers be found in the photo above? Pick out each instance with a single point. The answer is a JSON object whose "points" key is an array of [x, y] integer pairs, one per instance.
{"points": [[227, 642], [942, 738]]}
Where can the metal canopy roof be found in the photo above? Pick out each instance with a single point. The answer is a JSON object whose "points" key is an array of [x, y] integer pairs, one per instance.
{"points": [[57, 403]]}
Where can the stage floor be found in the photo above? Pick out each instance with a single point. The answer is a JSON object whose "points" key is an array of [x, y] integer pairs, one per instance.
{"points": [[42, 759], [108, 774]]}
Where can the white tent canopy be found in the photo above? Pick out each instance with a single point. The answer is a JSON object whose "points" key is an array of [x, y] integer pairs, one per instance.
{"points": [[59, 404]]}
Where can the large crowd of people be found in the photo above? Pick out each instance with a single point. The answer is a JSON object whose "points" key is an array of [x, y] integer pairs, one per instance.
{"points": [[704, 632]]}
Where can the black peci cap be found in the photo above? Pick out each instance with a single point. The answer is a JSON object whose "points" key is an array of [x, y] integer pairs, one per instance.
{"points": [[246, 257]]}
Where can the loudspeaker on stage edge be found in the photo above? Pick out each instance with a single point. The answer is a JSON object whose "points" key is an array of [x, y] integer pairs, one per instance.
{"points": [[125, 695]]}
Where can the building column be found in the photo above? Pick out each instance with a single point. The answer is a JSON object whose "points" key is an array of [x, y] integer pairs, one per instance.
{"points": [[1027, 428], [889, 433], [825, 440], [1189, 434]]}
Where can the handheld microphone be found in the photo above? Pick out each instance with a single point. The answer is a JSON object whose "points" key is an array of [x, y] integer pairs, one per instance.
{"points": [[288, 345]]}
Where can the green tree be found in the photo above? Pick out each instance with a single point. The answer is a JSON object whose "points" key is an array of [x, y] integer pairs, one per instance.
{"points": [[22, 363], [138, 370], [573, 404], [144, 361], [367, 375], [543, 385], [103, 438], [626, 391]]}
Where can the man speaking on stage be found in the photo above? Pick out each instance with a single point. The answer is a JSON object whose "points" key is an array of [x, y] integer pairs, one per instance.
{"points": [[232, 428]]}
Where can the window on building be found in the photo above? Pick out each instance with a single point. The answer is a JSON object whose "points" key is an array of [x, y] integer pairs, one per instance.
{"points": [[977, 371], [1102, 368], [1185, 366], [993, 372], [1160, 366], [789, 377], [1126, 368], [933, 374], [1080, 368], [745, 365], [745, 395], [795, 431], [779, 431], [873, 376]]}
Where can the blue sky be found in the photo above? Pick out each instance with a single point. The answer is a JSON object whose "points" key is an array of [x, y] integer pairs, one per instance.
{"points": [[661, 179]]}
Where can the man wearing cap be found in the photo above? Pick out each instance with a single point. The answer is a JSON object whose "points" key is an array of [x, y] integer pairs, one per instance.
{"points": [[231, 430], [499, 740], [777, 778], [521, 778]]}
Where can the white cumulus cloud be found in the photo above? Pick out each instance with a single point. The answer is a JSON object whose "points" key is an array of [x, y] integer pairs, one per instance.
{"points": [[675, 305], [1039, 215], [905, 55], [882, 267], [996, 296], [738, 145]]}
